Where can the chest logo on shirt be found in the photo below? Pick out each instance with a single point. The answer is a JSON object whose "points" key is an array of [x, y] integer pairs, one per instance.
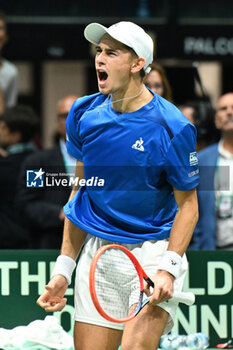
{"points": [[138, 145]]}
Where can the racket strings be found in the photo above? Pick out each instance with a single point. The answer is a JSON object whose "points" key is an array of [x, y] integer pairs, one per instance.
{"points": [[117, 284]]}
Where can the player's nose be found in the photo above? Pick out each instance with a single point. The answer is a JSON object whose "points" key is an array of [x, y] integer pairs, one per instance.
{"points": [[100, 59]]}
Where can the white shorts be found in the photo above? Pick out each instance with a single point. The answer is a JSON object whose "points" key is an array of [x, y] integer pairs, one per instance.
{"points": [[148, 254]]}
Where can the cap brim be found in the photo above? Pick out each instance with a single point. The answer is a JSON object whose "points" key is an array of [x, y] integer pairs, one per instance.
{"points": [[94, 32]]}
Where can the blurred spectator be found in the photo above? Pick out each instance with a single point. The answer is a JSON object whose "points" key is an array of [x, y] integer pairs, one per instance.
{"points": [[17, 127], [42, 208], [189, 111], [201, 114], [8, 72], [215, 190], [157, 81]]}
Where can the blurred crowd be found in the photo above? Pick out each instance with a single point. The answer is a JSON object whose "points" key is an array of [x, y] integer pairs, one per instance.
{"points": [[32, 218]]}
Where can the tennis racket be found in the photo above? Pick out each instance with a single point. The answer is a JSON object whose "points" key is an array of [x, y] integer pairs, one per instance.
{"points": [[116, 284]]}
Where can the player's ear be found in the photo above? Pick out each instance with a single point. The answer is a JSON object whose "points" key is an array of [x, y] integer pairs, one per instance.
{"points": [[138, 64]]}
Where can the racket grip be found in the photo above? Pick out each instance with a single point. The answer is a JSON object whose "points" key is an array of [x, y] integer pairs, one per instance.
{"points": [[186, 298]]}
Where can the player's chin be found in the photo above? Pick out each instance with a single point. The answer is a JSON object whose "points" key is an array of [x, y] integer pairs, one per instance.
{"points": [[104, 90]]}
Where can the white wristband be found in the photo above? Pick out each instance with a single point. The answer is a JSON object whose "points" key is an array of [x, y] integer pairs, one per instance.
{"points": [[64, 266], [171, 262]]}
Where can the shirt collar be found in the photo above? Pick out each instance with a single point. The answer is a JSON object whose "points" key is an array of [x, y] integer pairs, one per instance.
{"points": [[223, 152]]}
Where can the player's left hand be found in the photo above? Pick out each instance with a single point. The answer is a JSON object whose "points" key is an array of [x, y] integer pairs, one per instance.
{"points": [[52, 299], [163, 289]]}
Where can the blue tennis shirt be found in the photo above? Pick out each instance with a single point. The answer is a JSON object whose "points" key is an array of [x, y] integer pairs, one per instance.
{"points": [[140, 156]]}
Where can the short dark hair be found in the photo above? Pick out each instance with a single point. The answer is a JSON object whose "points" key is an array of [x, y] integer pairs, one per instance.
{"points": [[133, 53], [194, 106], [142, 73], [22, 119]]}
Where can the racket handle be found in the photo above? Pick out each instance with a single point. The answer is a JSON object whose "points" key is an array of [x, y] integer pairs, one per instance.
{"points": [[187, 298]]}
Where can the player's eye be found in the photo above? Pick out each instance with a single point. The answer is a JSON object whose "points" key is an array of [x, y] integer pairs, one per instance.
{"points": [[98, 50]]}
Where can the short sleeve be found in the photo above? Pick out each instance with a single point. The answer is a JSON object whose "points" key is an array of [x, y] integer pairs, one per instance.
{"points": [[74, 121], [181, 162], [73, 141]]}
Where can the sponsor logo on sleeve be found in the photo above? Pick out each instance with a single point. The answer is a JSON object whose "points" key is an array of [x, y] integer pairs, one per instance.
{"points": [[193, 158]]}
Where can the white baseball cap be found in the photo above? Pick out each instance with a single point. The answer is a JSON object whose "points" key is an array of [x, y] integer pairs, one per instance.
{"points": [[127, 33]]}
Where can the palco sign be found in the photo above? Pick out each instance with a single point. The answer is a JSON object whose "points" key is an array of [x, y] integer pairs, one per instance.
{"points": [[220, 46]]}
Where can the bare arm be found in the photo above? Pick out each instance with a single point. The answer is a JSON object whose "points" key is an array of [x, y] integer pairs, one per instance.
{"points": [[181, 233], [73, 236], [185, 221], [52, 298]]}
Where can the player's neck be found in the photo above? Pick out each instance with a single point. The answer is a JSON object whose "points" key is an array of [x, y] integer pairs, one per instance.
{"points": [[131, 100]]}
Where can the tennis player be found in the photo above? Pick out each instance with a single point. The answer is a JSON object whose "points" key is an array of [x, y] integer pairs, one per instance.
{"points": [[144, 149]]}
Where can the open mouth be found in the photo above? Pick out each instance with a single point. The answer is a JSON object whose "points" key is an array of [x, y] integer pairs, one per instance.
{"points": [[103, 76]]}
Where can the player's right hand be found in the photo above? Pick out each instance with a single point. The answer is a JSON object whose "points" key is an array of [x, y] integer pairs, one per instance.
{"points": [[163, 290], [52, 299]]}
